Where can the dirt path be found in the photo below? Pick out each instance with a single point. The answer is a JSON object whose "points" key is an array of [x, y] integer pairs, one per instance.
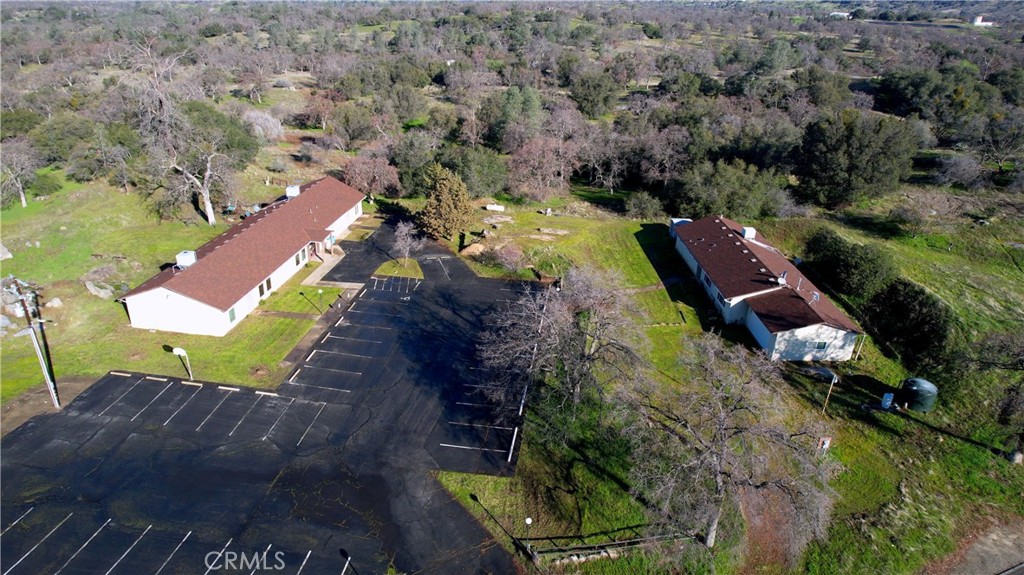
{"points": [[992, 548], [37, 401]]}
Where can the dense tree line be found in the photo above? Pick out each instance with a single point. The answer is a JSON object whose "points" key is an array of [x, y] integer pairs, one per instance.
{"points": [[524, 99]]}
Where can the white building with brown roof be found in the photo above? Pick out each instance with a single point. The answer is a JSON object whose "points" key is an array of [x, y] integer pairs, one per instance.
{"points": [[752, 283], [210, 290]]}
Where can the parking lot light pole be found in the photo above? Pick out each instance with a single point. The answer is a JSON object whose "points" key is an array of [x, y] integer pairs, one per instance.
{"points": [[320, 293], [184, 355]]}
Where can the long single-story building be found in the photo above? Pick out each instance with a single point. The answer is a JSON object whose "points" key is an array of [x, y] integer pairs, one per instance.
{"points": [[209, 290], [753, 284]]}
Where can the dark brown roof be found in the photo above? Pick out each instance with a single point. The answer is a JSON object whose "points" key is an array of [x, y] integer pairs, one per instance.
{"points": [[235, 262], [739, 266]]}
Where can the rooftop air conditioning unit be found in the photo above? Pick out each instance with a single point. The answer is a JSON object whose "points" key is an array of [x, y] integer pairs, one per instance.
{"points": [[291, 191], [749, 233], [185, 258]]}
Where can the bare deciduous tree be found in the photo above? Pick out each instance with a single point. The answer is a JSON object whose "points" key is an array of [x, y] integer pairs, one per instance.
{"points": [[572, 340], [1005, 351], [698, 444], [406, 241], [18, 165]]}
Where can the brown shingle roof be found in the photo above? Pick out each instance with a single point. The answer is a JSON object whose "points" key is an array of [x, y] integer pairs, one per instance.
{"points": [[739, 266], [235, 262]]}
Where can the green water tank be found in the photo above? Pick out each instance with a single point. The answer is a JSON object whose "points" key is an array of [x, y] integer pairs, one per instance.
{"points": [[917, 394]]}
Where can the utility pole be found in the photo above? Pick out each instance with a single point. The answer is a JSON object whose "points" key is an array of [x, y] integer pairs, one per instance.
{"points": [[23, 297]]}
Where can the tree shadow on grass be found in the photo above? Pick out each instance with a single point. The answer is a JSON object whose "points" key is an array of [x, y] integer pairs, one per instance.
{"points": [[879, 226]]}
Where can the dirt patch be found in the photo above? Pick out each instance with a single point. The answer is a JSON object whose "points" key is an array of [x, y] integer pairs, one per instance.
{"points": [[769, 542], [992, 546], [259, 371], [37, 401]]}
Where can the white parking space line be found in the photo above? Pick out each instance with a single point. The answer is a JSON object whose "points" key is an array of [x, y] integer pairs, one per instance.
{"points": [[301, 567], [332, 369], [349, 339], [258, 398], [127, 551], [219, 556], [198, 389], [87, 541], [339, 353], [269, 431], [152, 400], [480, 425], [292, 378], [341, 320], [466, 403], [265, 551], [512, 447], [120, 397], [209, 415], [319, 387], [34, 547], [471, 447], [17, 520], [322, 406], [168, 560], [372, 313]]}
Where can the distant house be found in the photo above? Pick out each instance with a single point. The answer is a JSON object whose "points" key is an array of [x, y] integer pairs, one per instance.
{"points": [[752, 283], [209, 290], [840, 15], [978, 21]]}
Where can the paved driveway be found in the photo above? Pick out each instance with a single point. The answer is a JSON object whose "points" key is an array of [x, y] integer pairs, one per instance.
{"points": [[148, 474]]}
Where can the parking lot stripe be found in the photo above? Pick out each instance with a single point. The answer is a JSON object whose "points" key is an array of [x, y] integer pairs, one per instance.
{"points": [[470, 447], [310, 356], [191, 383], [127, 551], [198, 389], [121, 373], [292, 378], [122, 395], [258, 398], [320, 387], [168, 560], [154, 378], [512, 447], [87, 541], [332, 369], [152, 400], [34, 547], [219, 555], [322, 406], [479, 425], [340, 353], [350, 339], [17, 520], [270, 393], [362, 292], [226, 388], [208, 416], [301, 567], [278, 419], [265, 551]]}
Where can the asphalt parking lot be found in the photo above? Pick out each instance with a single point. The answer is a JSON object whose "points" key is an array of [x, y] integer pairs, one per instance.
{"points": [[150, 474]]}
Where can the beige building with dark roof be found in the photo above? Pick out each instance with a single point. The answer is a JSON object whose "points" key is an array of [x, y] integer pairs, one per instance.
{"points": [[753, 284], [210, 290]]}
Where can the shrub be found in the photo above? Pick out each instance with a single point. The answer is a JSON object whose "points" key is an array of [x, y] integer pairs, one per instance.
{"points": [[859, 271], [913, 322], [643, 206], [45, 184]]}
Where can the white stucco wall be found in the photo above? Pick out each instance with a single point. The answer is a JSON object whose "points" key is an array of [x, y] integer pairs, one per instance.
{"points": [[764, 337], [340, 226], [799, 344], [164, 310]]}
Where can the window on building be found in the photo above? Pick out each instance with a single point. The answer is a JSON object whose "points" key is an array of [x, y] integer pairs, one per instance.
{"points": [[707, 280], [268, 284], [721, 299], [296, 259], [303, 254], [262, 291], [820, 344], [231, 315]]}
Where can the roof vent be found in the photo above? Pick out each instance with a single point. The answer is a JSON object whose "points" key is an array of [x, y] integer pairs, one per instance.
{"points": [[749, 233], [185, 258], [291, 191]]}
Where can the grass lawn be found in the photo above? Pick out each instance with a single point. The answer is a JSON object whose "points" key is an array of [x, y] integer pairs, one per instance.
{"points": [[297, 298], [402, 267], [115, 235]]}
